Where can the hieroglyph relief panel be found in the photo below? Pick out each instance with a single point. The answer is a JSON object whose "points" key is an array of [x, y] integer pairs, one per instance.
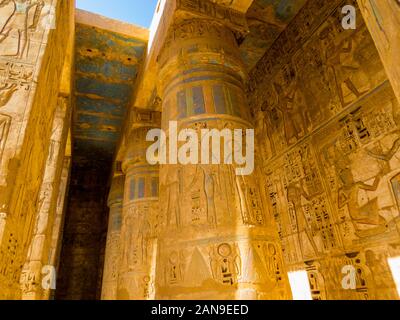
{"points": [[327, 124], [23, 34], [32, 53]]}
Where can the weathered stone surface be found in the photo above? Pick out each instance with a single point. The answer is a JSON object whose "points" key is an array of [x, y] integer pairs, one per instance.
{"points": [[325, 193], [327, 124], [32, 57]]}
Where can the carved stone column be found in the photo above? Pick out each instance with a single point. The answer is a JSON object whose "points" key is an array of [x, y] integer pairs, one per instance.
{"points": [[139, 221], [57, 233], [217, 241], [33, 38], [383, 21], [39, 249], [110, 275]]}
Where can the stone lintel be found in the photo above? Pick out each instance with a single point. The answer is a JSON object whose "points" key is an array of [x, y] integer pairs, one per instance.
{"points": [[101, 22]]}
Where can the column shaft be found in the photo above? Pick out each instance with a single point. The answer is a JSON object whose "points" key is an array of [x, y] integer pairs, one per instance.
{"points": [[216, 240], [139, 222], [110, 275], [39, 248]]}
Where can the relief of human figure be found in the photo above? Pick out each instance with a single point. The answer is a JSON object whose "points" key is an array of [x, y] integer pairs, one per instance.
{"points": [[294, 195], [226, 264], [337, 70], [5, 122], [209, 189], [263, 134], [20, 21], [348, 194], [292, 108], [126, 236], [6, 92], [367, 214], [173, 186], [244, 207]]}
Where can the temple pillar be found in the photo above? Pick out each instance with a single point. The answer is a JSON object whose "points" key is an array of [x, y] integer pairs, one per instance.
{"points": [[139, 221], [39, 249], [383, 21], [33, 39], [216, 239], [57, 233], [110, 274]]}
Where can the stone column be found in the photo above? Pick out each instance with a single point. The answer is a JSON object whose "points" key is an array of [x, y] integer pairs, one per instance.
{"points": [[139, 221], [383, 21], [110, 274], [39, 249], [59, 219], [217, 241], [33, 38]]}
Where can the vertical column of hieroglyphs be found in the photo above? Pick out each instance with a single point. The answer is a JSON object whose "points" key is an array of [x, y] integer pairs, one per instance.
{"points": [[328, 123], [383, 21], [39, 248], [139, 220], [111, 260], [217, 240], [33, 37]]}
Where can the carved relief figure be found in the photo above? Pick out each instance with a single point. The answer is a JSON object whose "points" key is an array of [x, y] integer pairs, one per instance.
{"points": [[126, 235], [273, 262], [292, 112], [20, 21], [263, 134], [340, 70], [294, 195], [226, 264], [209, 189], [5, 122], [366, 215], [174, 268], [174, 190], [6, 92]]}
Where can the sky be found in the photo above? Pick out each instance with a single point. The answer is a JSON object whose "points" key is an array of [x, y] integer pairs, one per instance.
{"points": [[139, 12]]}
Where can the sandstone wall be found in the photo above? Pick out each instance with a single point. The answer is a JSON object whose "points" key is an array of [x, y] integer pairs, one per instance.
{"points": [[31, 64], [328, 126]]}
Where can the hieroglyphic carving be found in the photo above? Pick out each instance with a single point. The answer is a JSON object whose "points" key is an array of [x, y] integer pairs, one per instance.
{"points": [[13, 76], [210, 9], [226, 264], [332, 153], [208, 208]]}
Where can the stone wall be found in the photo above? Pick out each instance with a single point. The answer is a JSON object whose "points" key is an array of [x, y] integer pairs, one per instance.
{"points": [[328, 123], [32, 56]]}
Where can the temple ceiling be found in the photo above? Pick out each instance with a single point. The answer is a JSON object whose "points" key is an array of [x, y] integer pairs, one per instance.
{"points": [[107, 64], [266, 20]]}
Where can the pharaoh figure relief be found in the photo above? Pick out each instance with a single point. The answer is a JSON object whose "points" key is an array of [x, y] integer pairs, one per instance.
{"points": [[21, 22], [330, 121]]}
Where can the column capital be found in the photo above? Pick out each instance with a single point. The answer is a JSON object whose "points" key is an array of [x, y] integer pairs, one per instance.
{"points": [[232, 18], [199, 45], [136, 147]]}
